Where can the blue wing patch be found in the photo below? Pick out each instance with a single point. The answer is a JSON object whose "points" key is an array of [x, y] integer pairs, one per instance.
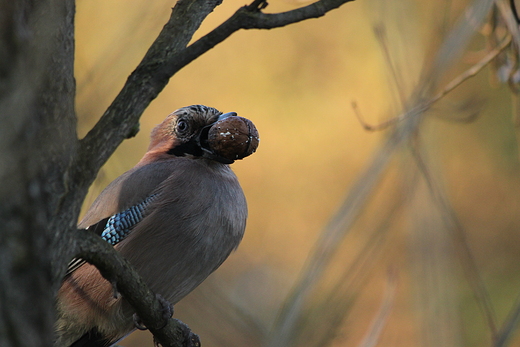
{"points": [[117, 227], [121, 224]]}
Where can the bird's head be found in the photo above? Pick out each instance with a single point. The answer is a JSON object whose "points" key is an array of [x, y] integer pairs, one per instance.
{"points": [[199, 131]]}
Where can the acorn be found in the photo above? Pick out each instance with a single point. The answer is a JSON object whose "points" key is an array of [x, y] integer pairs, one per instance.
{"points": [[233, 138]]}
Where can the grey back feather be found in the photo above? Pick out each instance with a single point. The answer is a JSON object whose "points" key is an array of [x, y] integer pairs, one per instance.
{"points": [[198, 219]]}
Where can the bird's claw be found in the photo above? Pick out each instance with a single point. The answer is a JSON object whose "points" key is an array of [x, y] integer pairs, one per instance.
{"points": [[115, 293], [166, 309], [138, 323]]}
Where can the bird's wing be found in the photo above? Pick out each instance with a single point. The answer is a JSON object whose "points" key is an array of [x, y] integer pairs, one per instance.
{"points": [[116, 211], [115, 228], [189, 231], [129, 189]]}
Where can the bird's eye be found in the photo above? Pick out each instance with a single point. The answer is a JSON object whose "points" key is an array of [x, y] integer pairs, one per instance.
{"points": [[182, 126]]}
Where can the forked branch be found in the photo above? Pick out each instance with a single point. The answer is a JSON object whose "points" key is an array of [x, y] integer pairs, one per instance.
{"points": [[121, 119]]}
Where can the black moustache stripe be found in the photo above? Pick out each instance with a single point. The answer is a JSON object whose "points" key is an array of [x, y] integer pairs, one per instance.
{"points": [[189, 148]]}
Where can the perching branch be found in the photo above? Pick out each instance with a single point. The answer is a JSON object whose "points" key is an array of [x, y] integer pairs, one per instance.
{"points": [[116, 269], [167, 56]]}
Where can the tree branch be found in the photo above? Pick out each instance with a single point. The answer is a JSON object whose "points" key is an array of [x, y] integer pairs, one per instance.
{"points": [[247, 17], [166, 57], [121, 119], [116, 269]]}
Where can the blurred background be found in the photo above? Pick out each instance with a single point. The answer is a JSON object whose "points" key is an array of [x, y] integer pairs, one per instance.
{"points": [[407, 236]]}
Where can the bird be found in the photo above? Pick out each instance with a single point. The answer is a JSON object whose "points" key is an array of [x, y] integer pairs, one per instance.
{"points": [[175, 216]]}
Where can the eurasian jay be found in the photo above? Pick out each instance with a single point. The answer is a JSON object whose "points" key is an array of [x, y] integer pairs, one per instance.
{"points": [[176, 216]]}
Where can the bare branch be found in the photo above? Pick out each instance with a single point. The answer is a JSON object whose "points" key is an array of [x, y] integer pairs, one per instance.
{"points": [[121, 119], [458, 231], [453, 84], [509, 327], [248, 17], [166, 57], [116, 269], [381, 318], [472, 71]]}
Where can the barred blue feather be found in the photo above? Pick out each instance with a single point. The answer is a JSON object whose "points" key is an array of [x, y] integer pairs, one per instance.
{"points": [[117, 227]]}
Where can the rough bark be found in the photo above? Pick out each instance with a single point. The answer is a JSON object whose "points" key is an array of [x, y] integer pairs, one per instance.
{"points": [[37, 142]]}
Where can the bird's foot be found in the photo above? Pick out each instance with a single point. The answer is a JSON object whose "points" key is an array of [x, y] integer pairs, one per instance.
{"points": [[138, 323], [115, 293], [166, 309]]}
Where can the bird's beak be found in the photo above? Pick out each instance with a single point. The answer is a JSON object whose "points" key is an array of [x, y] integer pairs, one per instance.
{"points": [[226, 115]]}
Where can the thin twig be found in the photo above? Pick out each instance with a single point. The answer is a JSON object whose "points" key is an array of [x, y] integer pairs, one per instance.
{"points": [[509, 18], [247, 17], [457, 81], [466, 255], [382, 39], [369, 127], [472, 71], [380, 320], [509, 327]]}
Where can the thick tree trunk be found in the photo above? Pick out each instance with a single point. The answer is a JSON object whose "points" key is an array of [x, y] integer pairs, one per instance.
{"points": [[37, 142]]}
